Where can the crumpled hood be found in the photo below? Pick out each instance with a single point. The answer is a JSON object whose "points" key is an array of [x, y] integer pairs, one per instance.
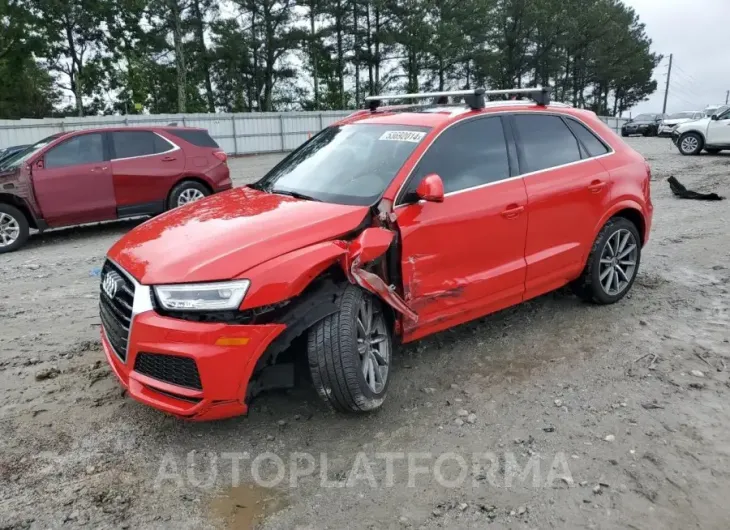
{"points": [[696, 124], [677, 121], [226, 234]]}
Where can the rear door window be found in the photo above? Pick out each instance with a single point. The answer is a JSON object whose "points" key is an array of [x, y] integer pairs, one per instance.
{"points": [[192, 136], [83, 149], [545, 142], [590, 141], [130, 144]]}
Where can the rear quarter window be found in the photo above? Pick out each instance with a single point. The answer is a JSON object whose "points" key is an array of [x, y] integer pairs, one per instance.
{"points": [[590, 141], [199, 138]]}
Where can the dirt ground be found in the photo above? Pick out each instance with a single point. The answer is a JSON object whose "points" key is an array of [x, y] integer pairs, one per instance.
{"points": [[622, 411]]}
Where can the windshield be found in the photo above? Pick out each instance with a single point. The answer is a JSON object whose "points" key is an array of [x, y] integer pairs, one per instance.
{"points": [[645, 117], [347, 164], [21, 156], [681, 115]]}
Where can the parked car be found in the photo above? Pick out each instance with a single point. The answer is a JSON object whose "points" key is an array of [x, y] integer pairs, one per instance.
{"points": [[711, 134], [388, 226], [644, 124], [9, 152], [102, 174], [667, 125]]}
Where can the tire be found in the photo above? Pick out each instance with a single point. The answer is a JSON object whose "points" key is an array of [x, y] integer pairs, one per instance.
{"points": [[591, 285], [690, 144], [336, 363], [190, 189], [713, 151], [14, 228]]}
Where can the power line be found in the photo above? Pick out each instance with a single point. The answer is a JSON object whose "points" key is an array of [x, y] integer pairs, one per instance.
{"points": [[679, 68], [685, 80], [683, 91], [688, 91], [684, 101]]}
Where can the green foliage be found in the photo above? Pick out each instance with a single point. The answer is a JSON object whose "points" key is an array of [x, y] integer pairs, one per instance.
{"points": [[164, 56]]}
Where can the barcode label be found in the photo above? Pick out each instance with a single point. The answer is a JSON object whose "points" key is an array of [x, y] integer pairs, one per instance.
{"points": [[403, 136]]}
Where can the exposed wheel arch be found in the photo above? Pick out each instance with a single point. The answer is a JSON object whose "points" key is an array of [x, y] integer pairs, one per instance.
{"points": [[695, 137], [199, 180], [20, 204], [636, 217]]}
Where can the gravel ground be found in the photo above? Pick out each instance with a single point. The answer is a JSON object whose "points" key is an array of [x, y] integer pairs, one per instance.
{"points": [[621, 412]]}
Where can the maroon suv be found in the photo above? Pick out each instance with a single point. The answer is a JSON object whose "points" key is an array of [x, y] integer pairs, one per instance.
{"points": [[103, 174]]}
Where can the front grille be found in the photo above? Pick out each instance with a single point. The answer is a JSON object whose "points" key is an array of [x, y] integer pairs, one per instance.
{"points": [[116, 310], [181, 371]]}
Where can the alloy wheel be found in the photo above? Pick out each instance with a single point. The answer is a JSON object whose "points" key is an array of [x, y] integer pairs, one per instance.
{"points": [[189, 195], [373, 345], [689, 144], [9, 230], [618, 262]]}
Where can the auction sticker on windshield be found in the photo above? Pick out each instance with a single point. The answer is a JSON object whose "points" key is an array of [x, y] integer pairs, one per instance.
{"points": [[403, 136]]}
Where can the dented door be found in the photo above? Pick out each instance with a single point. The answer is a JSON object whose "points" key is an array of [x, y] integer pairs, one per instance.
{"points": [[464, 257]]}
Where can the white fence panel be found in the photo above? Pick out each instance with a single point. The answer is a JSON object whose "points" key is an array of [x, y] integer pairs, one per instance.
{"points": [[237, 134]]}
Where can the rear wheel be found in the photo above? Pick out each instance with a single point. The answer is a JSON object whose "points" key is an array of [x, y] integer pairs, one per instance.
{"points": [[612, 264], [14, 229], [690, 144], [350, 353], [186, 192]]}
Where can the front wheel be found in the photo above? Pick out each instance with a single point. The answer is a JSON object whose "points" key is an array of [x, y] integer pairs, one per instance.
{"points": [[612, 264], [14, 229], [350, 353], [690, 144]]}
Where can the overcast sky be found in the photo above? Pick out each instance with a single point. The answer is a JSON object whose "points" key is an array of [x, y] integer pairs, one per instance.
{"points": [[697, 32]]}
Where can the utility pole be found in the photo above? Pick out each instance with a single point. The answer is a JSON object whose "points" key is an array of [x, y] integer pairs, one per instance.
{"points": [[727, 97], [666, 89]]}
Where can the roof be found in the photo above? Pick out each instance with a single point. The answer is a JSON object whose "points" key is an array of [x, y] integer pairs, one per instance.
{"points": [[123, 128]]}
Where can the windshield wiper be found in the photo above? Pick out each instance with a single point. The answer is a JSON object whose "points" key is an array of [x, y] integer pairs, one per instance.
{"points": [[296, 195]]}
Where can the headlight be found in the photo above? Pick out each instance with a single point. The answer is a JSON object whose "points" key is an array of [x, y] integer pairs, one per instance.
{"points": [[202, 296]]}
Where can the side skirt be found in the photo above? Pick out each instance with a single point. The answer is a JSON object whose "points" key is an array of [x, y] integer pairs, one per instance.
{"points": [[138, 210]]}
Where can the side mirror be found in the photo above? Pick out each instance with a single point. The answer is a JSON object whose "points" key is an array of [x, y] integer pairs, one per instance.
{"points": [[39, 164], [714, 117], [431, 188]]}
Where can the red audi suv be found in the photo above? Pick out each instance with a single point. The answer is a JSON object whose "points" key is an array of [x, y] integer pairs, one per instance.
{"points": [[393, 224]]}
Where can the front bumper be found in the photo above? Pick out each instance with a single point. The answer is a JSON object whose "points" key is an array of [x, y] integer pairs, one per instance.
{"points": [[224, 370], [665, 130]]}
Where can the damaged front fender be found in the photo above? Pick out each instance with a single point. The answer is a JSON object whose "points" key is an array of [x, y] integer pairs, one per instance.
{"points": [[287, 276], [368, 246]]}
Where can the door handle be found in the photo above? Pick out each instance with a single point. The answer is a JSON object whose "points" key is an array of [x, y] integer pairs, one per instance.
{"points": [[169, 159], [97, 168], [596, 186], [512, 211]]}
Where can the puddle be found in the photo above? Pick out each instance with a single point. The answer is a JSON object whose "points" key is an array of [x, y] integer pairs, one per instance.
{"points": [[244, 507]]}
